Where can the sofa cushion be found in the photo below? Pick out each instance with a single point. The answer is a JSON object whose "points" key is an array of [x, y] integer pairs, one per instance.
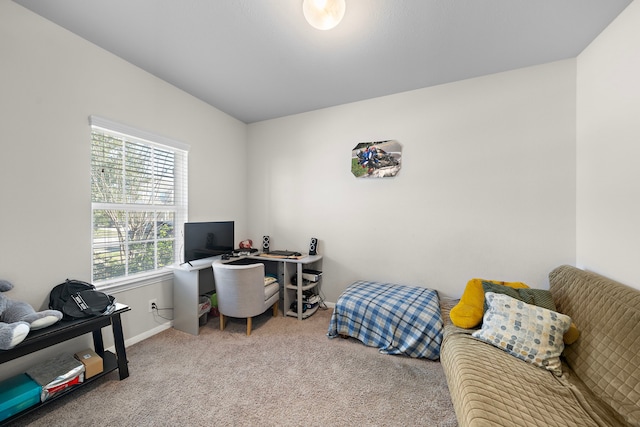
{"points": [[540, 297], [600, 381], [528, 332], [489, 387], [468, 312], [607, 355]]}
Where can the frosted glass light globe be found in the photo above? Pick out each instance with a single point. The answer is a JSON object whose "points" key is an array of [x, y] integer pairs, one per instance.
{"points": [[323, 14]]}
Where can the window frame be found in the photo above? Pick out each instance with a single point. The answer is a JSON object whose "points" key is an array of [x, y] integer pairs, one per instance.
{"points": [[179, 206]]}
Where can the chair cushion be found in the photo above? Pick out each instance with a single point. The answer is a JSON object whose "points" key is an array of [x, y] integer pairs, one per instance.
{"points": [[271, 289]]}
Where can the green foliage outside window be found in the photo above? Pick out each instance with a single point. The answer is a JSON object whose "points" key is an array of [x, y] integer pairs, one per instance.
{"points": [[133, 204]]}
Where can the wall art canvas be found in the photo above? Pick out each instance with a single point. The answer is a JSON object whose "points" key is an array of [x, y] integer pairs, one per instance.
{"points": [[379, 159]]}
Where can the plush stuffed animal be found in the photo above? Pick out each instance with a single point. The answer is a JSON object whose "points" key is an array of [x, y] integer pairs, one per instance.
{"points": [[17, 318]]}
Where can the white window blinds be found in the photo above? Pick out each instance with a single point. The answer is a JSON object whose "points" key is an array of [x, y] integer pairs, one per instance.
{"points": [[138, 201]]}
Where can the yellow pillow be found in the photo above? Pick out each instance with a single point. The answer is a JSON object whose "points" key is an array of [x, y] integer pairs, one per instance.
{"points": [[572, 334], [468, 312]]}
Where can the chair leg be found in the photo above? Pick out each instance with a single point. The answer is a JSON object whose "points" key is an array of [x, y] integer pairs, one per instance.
{"points": [[275, 309], [221, 322], [248, 326]]}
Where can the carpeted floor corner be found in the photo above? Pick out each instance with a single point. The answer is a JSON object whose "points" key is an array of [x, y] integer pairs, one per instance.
{"points": [[287, 373]]}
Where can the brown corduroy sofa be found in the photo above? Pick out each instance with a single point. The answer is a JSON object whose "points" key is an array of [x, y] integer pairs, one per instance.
{"points": [[600, 384]]}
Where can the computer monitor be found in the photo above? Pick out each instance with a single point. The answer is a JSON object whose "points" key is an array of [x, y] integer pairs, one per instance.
{"points": [[208, 239]]}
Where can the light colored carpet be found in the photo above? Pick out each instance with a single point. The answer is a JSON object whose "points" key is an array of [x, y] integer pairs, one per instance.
{"points": [[287, 373]]}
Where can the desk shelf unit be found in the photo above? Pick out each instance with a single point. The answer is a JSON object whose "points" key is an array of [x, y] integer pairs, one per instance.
{"points": [[284, 269], [66, 330], [195, 279], [303, 313], [295, 291]]}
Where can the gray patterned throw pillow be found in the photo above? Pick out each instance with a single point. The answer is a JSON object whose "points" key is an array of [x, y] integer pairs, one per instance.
{"points": [[528, 332]]}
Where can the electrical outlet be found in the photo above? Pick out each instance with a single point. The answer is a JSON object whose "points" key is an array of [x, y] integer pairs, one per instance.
{"points": [[153, 303]]}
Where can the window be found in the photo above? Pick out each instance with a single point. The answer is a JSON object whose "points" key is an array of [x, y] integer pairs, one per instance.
{"points": [[138, 201]]}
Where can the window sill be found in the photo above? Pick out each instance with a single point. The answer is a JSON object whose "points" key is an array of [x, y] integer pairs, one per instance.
{"points": [[132, 282]]}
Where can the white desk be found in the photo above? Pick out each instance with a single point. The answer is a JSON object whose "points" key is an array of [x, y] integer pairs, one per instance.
{"points": [[189, 282], [194, 279]]}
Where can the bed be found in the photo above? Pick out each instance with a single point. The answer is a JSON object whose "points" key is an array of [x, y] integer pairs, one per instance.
{"points": [[396, 319]]}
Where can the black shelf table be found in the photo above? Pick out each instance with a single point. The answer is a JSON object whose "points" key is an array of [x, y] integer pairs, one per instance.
{"points": [[66, 330]]}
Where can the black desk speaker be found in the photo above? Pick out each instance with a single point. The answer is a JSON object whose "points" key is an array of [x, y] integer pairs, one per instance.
{"points": [[313, 246], [265, 244]]}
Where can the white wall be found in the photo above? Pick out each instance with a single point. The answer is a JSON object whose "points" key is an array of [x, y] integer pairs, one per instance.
{"points": [[487, 186], [50, 82], [608, 135]]}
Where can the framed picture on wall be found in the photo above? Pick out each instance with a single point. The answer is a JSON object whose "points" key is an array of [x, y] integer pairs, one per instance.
{"points": [[378, 159]]}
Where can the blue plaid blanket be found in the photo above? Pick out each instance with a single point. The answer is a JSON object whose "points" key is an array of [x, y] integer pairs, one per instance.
{"points": [[394, 318]]}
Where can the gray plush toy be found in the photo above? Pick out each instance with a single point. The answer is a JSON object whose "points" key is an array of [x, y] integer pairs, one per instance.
{"points": [[17, 318]]}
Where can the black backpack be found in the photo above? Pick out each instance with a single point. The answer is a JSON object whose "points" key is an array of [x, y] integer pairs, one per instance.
{"points": [[77, 300]]}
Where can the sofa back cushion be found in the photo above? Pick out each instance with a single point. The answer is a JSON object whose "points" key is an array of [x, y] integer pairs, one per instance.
{"points": [[606, 357]]}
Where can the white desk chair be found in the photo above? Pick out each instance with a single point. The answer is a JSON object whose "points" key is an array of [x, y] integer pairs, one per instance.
{"points": [[241, 292]]}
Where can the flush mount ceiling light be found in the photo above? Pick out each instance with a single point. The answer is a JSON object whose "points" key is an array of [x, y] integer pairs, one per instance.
{"points": [[323, 14]]}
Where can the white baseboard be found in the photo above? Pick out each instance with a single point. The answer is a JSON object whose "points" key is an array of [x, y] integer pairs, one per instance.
{"points": [[151, 332], [143, 336]]}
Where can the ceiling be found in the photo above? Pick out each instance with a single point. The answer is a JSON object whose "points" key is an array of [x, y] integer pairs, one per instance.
{"points": [[259, 59]]}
